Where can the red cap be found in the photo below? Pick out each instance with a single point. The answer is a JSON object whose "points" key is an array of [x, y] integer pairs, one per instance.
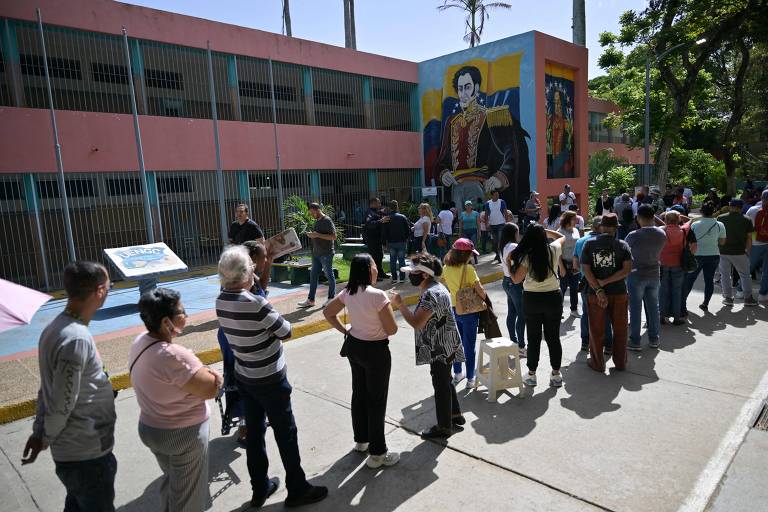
{"points": [[465, 244]]}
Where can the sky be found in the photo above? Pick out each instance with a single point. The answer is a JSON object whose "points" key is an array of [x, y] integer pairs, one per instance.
{"points": [[407, 29]]}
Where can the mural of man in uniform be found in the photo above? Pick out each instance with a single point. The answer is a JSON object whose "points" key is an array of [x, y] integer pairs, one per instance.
{"points": [[482, 149]]}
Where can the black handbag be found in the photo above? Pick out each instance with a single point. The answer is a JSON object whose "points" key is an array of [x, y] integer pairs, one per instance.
{"points": [[345, 346]]}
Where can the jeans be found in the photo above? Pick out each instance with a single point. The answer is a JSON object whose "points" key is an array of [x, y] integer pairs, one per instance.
{"points": [[741, 263], [467, 325], [472, 235], [90, 484], [371, 363], [442, 244], [616, 312], [584, 324], [515, 319], [671, 292], [324, 263], [228, 359], [496, 232], [759, 257], [396, 259], [483, 242], [272, 401], [708, 264], [643, 292], [570, 280], [542, 310], [446, 401]]}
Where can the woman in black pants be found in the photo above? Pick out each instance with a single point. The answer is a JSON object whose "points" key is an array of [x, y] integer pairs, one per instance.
{"points": [[437, 340], [367, 349], [534, 262]]}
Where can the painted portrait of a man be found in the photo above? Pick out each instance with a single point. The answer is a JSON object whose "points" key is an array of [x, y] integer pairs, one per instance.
{"points": [[482, 148]]}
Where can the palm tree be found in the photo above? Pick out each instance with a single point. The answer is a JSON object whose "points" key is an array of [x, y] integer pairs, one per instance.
{"points": [[475, 9], [287, 17], [349, 24]]}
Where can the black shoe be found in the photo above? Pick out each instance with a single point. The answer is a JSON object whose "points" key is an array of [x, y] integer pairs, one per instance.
{"points": [[274, 483], [607, 352], [437, 433], [386, 276], [679, 321], [458, 420], [379, 279], [585, 348], [313, 494], [704, 307]]}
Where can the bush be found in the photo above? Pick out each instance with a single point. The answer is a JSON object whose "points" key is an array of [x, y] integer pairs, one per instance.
{"points": [[297, 217], [697, 169]]}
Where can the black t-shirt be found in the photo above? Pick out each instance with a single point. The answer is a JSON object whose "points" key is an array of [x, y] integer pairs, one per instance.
{"points": [[241, 233], [606, 255]]}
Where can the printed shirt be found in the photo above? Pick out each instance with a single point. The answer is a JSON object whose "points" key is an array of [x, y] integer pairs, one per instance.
{"points": [[606, 255], [439, 339]]}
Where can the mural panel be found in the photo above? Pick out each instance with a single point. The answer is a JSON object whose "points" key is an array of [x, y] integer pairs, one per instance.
{"points": [[473, 138], [558, 83]]}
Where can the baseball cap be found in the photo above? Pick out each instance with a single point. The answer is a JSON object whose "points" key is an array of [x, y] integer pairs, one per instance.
{"points": [[467, 203], [736, 202], [465, 244], [610, 220]]}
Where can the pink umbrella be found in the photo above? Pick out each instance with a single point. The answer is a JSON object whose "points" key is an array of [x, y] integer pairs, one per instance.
{"points": [[18, 304]]}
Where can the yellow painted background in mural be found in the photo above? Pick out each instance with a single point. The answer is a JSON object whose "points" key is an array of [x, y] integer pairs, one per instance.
{"points": [[498, 75], [559, 71]]}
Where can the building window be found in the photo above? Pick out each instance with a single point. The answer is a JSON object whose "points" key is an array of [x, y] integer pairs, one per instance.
{"points": [[109, 73], [58, 67], [162, 79], [174, 185], [49, 189], [11, 191], [123, 187]]}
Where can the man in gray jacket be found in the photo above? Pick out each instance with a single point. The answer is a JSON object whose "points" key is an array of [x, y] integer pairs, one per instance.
{"points": [[76, 404]]}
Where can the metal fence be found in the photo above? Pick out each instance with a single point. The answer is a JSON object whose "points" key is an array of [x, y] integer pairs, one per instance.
{"points": [[89, 72]]}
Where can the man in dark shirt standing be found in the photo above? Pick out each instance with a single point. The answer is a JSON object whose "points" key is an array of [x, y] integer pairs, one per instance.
{"points": [[733, 253], [374, 220], [396, 232], [323, 235], [606, 262], [243, 228]]}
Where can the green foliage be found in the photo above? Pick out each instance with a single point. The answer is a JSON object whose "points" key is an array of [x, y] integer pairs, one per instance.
{"points": [[618, 179], [297, 216], [697, 169]]}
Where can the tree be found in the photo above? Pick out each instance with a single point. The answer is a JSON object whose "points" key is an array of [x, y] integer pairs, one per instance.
{"points": [[688, 33], [287, 17], [477, 13], [349, 24]]}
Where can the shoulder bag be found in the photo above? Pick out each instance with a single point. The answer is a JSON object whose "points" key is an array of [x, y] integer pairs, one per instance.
{"points": [[467, 299]]}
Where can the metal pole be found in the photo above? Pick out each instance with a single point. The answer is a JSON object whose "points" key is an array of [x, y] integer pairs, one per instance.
{"points": [[57, 147], [277, 148], [39, 229], [646, 144], [219, 174], [139, 149]]}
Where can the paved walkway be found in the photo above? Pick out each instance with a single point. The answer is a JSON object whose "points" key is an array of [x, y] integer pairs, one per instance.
{"points": [[658, 437]]}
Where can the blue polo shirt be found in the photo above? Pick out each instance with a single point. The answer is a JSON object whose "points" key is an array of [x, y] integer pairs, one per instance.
{"points": [[580, 247]]}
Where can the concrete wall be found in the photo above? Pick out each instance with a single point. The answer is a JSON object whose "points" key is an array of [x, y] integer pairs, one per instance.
{"points": [[633, 155]]}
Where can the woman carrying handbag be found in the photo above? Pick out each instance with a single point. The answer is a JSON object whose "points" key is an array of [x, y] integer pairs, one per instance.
{"points": [[366, 345], [468, 298]]}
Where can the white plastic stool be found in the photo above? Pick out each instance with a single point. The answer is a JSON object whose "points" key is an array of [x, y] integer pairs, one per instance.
{"points": [[498, 374]]}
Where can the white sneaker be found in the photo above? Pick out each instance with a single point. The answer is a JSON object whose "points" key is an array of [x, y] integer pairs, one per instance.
{"points": [[471, 383], [305, 304], [458, 378], [361, 447], [762, 298], [739, 295], [523, 352], [556, 380], [530, 380], [386, 459]]}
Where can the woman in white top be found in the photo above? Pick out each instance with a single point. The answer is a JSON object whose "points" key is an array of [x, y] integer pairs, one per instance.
{"points": [[570, 279], [444, 229], [533, 262], [421, 229], [552, 222], [367, 348], [515, 320]]}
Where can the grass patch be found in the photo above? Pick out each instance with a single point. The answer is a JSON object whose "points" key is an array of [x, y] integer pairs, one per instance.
{"points": [[342, 266]]}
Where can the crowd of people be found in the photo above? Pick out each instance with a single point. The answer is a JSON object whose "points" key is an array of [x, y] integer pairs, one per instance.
{"points": [[625, 267]]}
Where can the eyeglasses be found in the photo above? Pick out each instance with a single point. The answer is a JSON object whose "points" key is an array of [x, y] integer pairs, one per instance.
{"points": [[180, 313]]}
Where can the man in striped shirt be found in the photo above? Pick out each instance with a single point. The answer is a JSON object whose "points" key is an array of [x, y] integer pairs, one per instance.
{"points": [[254, 331]]}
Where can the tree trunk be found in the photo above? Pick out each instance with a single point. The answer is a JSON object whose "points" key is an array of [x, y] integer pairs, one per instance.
{"points": [[730, 172], [352, 33], [662, 158], [347, 34], [473, 28], [287, 17], [579, 23]]}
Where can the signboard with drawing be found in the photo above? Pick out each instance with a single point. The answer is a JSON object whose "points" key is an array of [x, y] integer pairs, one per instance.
{"points": [[145, 261]]}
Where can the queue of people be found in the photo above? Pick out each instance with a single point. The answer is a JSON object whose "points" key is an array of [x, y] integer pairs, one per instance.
{"points": [[648, 272]]}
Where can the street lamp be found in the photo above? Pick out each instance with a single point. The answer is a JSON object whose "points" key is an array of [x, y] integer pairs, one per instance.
{"points": [[658, 58]]}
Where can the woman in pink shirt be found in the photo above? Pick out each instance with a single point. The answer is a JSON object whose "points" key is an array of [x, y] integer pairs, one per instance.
{"points": [[171, 386], [672, 272], [367, 348]]}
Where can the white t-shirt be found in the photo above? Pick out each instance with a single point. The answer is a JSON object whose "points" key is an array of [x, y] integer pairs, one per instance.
{"points": [[554, 225], [752, 214], [418, 228], [569, 199], [497, 216], [580, 223], [363, 308], [688, 194], [446, 222], [570, 236], [504, 253]]}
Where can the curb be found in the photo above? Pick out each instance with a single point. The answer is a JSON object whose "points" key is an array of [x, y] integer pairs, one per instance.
{"points": [[26, 408]]}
